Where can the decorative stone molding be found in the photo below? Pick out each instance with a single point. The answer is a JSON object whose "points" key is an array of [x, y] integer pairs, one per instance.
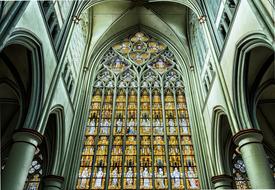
{"points": [[222, 177], [222, 181], [247, 136], [29, 136], [52, 182]]}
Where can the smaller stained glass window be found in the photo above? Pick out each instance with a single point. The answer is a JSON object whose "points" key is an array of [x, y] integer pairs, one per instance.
{"points": [[240, 177], [35, 172]]}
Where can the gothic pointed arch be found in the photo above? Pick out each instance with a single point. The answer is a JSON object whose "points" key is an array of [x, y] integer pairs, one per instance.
{"points": [[191, 4], [221, 140], [54, 136], [47, 160], [34, 60], [241, 71], [138, 114], [227, 156], [23, 93], [254, 90]]}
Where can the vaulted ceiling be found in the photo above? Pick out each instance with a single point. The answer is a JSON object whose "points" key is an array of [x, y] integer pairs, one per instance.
{"points": [[108, 18], [112, 17]]}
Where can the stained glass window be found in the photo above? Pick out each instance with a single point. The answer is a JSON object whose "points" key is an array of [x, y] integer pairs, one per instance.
{"points": [[35, 171], [138, 132], [241, 180], [240, 177]]}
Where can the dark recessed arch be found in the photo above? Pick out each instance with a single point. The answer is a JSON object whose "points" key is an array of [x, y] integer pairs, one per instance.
{"points": [[55, 132], [22, 79], [254, 87], [35, 60], [221, 141], [242, 61]]}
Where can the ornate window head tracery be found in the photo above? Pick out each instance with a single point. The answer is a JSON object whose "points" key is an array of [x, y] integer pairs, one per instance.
{"points": [[138, 115], [139, 49]]}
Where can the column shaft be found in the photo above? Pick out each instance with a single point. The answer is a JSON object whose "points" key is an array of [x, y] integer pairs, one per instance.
{"points": [[20, 158], [255, 160]]}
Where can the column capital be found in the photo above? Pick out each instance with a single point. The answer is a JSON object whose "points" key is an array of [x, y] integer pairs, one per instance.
{"points": [[28, 136], [222, 177], [247, 136], [53, 178], [222, 181], [53, 181]]}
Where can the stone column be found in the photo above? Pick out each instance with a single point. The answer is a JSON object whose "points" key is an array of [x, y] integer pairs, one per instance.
{"points": [[222, 181], [20, 158], [254, 157], [52, 182]]}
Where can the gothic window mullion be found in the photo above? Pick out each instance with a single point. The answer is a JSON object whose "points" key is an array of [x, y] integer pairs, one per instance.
{"points": [[138, 135]]}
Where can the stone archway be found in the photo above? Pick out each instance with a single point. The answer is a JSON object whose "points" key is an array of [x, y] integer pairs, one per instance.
{"points": [[222, 149], [22, 79], [253, 94]]}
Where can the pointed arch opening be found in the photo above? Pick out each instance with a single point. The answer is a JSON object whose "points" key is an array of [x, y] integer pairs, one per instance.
{"points": [[138, 133], [254, 88]]}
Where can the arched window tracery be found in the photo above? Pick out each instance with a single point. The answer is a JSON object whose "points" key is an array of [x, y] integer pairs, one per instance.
{"points": [[138, 132]]}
